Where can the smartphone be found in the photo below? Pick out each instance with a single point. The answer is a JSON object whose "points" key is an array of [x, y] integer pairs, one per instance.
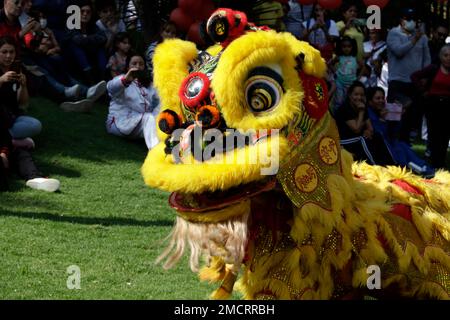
{"points": [[359, 22], [420, 26], [394, 112], [16, 66], [139, 74]]}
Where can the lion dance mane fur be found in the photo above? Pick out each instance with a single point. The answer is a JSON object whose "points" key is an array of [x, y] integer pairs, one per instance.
{"points": [[312, 229]]}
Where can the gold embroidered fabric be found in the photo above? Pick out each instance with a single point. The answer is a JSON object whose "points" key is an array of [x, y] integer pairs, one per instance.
{"points": [[304, 173]]}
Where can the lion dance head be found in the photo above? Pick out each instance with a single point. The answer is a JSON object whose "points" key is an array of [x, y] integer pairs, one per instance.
{"points": [[261, 187]]}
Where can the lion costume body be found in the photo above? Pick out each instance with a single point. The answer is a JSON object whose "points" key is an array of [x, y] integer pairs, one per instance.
{"points": [[312, 229]]}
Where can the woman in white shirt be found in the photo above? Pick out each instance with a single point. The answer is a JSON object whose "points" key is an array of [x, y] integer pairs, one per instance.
{"points": [[321, 32], [134, 104], [374, 47]]}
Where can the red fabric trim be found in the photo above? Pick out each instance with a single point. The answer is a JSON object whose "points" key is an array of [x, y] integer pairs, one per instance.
{"points": [[192, 103], [407, 187], [402, 210], [125, 82]]}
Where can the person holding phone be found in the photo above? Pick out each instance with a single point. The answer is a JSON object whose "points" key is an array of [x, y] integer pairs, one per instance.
{"points": [[17, 158], [352, 26], [321, 32], [408, 52], [14, 93], [15, 127], [134, 104]]}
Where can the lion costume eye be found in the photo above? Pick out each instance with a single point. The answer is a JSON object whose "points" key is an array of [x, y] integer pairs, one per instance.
{"points": [[194, 89], [263, 89]]}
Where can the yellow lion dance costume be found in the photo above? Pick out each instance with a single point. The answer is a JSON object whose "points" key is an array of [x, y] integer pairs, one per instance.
{"points": [[311, 230]]}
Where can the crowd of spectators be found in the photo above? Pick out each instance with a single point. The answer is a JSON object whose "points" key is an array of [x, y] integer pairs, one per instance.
{"points": [[382, 82]]}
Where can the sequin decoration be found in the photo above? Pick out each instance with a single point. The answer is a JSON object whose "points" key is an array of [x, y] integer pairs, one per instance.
{"points": [[282, 275], [265, 296], [332, 244], [359, 240], [438, 274], [405, 232], [303, 174]]}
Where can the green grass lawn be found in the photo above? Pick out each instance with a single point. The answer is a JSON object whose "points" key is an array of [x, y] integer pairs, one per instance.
{"points": [[104, 220]]}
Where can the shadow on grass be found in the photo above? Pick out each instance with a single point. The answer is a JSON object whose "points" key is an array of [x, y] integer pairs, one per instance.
{"points": [[81, 135], [124, 222], [16, 183], [51, 169]]}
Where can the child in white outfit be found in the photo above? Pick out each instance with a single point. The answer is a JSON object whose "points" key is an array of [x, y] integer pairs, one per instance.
{"points": [[134, 104]]}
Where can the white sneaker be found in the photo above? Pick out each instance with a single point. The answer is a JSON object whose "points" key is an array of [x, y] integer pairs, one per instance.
{"points": [[77, 106], [45, 184], [95, 92], [73, 91]]}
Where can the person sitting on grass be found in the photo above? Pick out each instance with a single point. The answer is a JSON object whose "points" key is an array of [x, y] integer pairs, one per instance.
{"points": [[109, 21], [14, 96], [86, 46], [356, 130], [15, 156], [43, 49], [401, 151], [134, 104]]}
